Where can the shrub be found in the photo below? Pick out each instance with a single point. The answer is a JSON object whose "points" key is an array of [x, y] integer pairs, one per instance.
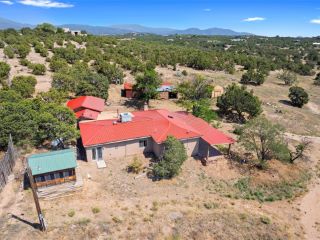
{"points": [[155, 206], [84, 221], [4, 70], [9, 96], [71, 213], [93, 85], [184, 73], [116, 219], [298, 96], [53, 96], [172, 159], [25, 62], [203, 109], [24, 85], [57, 64], [288, 77], [9, 51], [211, 205], [22, 50], [253, 77], [95, 210], [238, 103], [136, 166], [265, 220], [38, 69], [265, 139]]}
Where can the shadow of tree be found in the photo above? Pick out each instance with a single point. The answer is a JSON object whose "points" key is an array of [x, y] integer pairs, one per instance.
{"points": [[285, 102], [134, 103]]}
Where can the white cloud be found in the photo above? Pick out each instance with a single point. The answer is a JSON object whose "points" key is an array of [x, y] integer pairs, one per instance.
{"points": [[315, 21], [46, 4], [6, 2], [253, 19], [207, 9]]}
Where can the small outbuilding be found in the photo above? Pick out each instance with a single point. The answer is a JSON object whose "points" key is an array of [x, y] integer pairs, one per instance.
{"points": [[52, 168], [128, 91], [86, 107], [167, 91]]}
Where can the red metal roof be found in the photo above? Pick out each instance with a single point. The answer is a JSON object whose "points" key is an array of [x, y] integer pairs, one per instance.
{"points": [[89, 102], [87, 114], [158, 124], [127, 86], [166, 84]]}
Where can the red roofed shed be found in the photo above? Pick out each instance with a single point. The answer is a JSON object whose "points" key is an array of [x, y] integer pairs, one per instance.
{"points": [[86, 107]]}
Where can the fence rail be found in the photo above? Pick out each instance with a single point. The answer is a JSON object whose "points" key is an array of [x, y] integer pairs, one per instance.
{"points": [[7, 163]]}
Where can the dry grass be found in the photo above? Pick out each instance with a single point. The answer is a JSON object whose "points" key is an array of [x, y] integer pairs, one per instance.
{"points": [[132, 208]]}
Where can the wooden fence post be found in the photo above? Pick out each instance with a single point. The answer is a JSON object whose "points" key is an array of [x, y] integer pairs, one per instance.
{"points": [[43, 226]]}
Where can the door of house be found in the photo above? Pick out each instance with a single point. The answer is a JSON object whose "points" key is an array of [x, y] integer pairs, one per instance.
{"points": [[97, 154]]}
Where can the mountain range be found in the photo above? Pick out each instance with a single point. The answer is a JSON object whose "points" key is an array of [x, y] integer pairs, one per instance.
{"points": [[131, 28]]}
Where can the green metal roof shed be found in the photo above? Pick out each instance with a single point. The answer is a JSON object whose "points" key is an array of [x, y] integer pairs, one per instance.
{"points": [[52, 161]]}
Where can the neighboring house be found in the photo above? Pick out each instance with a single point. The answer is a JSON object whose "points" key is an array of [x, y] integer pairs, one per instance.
{"points": [[74, 32], [86, 107], [145, 132], [52, 168], [66, 30], [166, 91]]}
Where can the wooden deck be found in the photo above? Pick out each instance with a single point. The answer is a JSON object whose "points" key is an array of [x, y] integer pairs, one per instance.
{"points": [[56, 181]]}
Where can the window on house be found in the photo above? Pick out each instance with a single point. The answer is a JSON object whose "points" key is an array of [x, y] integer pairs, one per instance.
{"points": [[66, 173], [143, 143], [39, 179], [94, 154], [47, 177], [97, 153]]}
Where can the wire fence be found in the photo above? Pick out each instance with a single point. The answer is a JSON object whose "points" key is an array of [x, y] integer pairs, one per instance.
{"points": [[7, 163]]}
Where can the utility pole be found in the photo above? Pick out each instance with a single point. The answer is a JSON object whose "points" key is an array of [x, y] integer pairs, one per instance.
{"points": [[43, 226]]}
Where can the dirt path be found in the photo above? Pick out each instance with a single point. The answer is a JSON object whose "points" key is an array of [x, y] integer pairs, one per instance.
{"points": [[309, 205], [310, 208], [313, 107]]}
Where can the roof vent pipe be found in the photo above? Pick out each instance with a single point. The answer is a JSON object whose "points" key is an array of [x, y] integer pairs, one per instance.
{"points": [[145, 107]]}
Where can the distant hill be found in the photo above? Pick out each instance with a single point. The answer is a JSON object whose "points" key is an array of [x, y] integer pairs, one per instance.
{"points": [[6, 23], [131, 28], [134, 28]]}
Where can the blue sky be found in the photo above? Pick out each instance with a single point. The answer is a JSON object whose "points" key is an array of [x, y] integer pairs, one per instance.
{"points": [[263, 17]]}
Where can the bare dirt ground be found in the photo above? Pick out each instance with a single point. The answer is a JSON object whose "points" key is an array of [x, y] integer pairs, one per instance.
{"points": [[139, 208], [274, 95], [309, 204], [43, 82]]}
